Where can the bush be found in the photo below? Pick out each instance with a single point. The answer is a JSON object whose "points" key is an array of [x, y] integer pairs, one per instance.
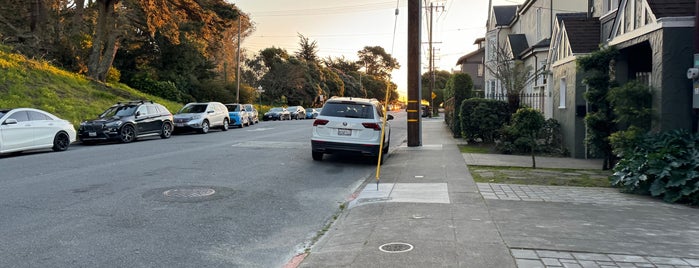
{"points": [[163, 89], [663, 165], [482, 119], [549, 140]]}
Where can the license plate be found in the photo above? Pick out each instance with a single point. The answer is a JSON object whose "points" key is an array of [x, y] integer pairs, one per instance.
{"points": [[179, 124], [344, 132], [92, 134]]}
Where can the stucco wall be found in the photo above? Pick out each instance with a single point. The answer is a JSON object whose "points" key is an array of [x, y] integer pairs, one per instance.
{"points": [[572, 126]]}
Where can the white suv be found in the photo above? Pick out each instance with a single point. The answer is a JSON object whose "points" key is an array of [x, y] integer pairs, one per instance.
{"points": [[350, 125], [202, 116]]}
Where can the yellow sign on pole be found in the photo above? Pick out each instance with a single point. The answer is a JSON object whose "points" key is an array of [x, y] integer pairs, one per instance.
{"points": [[434, 95]]}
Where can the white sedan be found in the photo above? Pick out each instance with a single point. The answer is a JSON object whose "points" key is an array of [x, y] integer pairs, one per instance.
{"points": [[24, 129]]}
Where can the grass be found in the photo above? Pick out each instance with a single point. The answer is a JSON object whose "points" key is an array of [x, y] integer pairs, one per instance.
{"points": [[36, 84], [541, 176], [477, 148]]}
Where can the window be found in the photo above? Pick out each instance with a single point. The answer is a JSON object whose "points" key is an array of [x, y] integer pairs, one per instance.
{"points": [[610, 5], [563, 92], [20, 116], [37, 116], [480, 70], [538, 23]]}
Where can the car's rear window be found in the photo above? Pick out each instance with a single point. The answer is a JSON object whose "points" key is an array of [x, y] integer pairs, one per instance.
{"points": [[350, 110]]}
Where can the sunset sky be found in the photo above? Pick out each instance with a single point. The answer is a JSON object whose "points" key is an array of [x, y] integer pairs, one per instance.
{"points": [[341, 28]]}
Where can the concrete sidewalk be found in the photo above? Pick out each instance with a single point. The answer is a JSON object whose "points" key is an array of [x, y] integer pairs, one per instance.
{"points": [[428, 212]]}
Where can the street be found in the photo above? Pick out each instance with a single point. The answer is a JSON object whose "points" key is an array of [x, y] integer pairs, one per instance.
{"points": [[249, 197]]}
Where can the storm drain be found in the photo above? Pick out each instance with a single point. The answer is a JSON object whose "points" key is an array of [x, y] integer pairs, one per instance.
{"points": [[396, 247], [194, 192]]}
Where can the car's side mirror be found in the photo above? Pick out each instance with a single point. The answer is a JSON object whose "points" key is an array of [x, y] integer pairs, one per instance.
{"points": [[138, 113], [389, 117], [10, 121]]}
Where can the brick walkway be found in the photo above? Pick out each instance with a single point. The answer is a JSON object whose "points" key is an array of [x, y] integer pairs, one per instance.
{"points": [[528, 258]]}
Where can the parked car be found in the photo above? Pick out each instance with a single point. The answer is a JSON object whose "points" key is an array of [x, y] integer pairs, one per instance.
{"points": [[237, 114], [297, 112], [24, 129], [202, 117], [127, 122], [425, 111], [350, 125], [277, 113], [252, 113], [312, 113]]}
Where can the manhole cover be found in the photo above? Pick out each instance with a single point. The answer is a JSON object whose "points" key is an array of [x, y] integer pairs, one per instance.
{"points": [[189, 192], [396, 247]]}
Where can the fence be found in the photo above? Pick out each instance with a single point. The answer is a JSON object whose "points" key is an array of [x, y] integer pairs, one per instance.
{"points": [[532, 100]]}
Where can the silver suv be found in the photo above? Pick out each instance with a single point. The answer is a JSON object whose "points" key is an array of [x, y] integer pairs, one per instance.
{"points": [[350, 125], [202, 116]]}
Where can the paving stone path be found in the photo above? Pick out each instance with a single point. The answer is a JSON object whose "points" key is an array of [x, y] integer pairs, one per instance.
{"points": [[533, 258], [517, 192], [529, 258]]}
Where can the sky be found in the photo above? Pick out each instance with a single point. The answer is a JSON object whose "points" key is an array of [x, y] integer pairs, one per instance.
{"points": [[342, 28]]}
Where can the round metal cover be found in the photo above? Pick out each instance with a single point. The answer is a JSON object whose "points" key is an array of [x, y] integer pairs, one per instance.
{"points": [[194, 192], [396, 247]]}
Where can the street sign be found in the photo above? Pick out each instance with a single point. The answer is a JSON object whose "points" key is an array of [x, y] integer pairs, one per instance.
{"points": [[434, 95], [260, 91]]}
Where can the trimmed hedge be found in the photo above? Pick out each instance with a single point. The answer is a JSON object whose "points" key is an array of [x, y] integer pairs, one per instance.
{"points": [[483, 118]]}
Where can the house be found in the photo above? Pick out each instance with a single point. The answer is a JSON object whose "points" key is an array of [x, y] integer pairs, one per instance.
{"points": [[574, 35], [523, 33], [472, 64], [654, 38]]}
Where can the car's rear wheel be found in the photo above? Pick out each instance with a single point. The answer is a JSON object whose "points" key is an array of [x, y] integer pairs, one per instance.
{"points": [[204, 127], [166, 131], [127, 134], [61, 142], [225, 125], [317, 156]]}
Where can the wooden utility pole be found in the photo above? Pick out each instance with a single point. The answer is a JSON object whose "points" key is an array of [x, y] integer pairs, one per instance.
{"points": [[237, 74], [414, 85]]}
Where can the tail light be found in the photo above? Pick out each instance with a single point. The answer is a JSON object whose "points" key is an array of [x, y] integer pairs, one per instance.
{"points": [[374, 126], [320, 122]]}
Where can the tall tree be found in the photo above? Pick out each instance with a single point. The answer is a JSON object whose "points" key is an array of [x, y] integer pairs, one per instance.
{"points": [[377, 61], [308, 50]]}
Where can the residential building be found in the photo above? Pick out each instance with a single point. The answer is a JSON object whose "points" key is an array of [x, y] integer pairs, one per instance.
{"points": [[654, 38], [473, 65]]}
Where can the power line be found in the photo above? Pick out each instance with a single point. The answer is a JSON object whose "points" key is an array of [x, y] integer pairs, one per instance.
{"points": [[324, 11]]}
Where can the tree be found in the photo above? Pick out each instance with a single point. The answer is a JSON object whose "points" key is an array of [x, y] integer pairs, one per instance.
{"points": [[440, 82], [526, 126], [307, 50], [378, 62], [599, 120], [512, 74], [459, 88]]}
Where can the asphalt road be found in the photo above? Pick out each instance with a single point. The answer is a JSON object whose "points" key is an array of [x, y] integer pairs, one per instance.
{"points": [[250, 197]]}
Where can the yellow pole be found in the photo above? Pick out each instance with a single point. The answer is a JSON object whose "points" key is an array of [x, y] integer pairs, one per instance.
{"points": [[383, 133]]}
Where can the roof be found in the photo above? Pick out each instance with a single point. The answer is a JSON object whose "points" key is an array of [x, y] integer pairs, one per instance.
{"points": [[465, 58], [583, 34], [672, 8], [518, 43], [478, 40], [504, 14], [545, 43], [577, 15]]}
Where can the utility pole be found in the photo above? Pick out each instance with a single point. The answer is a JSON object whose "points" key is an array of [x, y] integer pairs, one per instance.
{"points": [[431, 53], [414, 84], [237, 74]]}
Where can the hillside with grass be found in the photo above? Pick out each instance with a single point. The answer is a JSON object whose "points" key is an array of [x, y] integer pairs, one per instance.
{"points": [[37, 84]]}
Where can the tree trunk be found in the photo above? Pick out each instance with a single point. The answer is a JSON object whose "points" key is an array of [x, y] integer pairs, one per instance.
{"points": [[104, 41]]}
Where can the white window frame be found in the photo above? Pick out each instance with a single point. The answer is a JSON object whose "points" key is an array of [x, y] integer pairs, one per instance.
{"points": [[562, 92]]}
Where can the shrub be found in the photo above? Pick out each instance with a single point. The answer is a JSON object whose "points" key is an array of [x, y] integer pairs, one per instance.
{"points": [[163, 89], [549, 140], [482, 119], [663, 165]]}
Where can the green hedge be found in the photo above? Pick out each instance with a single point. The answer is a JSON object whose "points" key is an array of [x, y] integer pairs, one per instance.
{"points": [[483, 118], [663, 165]]}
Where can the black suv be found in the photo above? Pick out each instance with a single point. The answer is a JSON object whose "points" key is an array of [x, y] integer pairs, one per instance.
{"points": [[128, 121]]}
